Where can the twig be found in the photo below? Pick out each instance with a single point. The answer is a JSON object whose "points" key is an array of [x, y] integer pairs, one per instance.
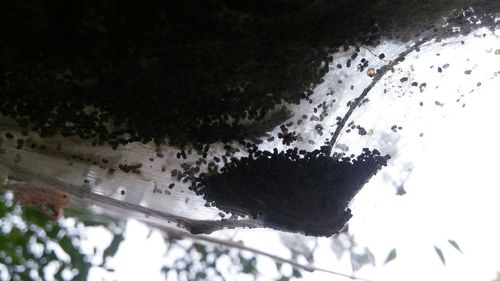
{"points": [[310, 268], [380, 73]]}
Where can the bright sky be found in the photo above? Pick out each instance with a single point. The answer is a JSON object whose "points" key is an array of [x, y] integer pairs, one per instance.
{"points": [[452, 193]]}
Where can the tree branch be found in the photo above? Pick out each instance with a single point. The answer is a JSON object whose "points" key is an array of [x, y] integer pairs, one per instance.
{"points": [[310, 268], [380, 73]]}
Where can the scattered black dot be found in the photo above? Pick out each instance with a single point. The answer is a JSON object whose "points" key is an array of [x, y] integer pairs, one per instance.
{"points": [[440, 69], [468, 72], [20, 143], [361, 131], [381, 56], [9, 135], [122, 192], [130, 168]]}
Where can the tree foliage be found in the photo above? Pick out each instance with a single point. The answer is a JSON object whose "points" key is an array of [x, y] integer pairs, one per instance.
{"points": [[32, 248]]}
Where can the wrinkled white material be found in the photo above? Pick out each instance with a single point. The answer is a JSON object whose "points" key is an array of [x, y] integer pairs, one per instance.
{"points": [[391, 102]]}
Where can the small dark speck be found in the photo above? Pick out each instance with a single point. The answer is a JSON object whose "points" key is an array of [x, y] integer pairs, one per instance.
{"points": [[9, 135], [440, 69], [422, 87], [445, 66], [151, 159], [400, 191], [163, 168], [159, 155], [478, 84], [86, 181], [438, 103], [361, 131], [468, 71], [414, 84], [122, 192], [404, 79], [339, 66], [381, 56], [421, 135], [339, 81]]}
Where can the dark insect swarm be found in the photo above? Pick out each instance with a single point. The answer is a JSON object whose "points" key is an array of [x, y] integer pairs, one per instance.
{"points": [[307, 194]]}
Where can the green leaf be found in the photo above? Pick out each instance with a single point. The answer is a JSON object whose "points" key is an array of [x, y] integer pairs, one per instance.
{"points": [[248, 265], [202, 250], [455, 245], [113, 247], [201, 275], [296, 273], [391, 256], [278, 265], [440, 254]]}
